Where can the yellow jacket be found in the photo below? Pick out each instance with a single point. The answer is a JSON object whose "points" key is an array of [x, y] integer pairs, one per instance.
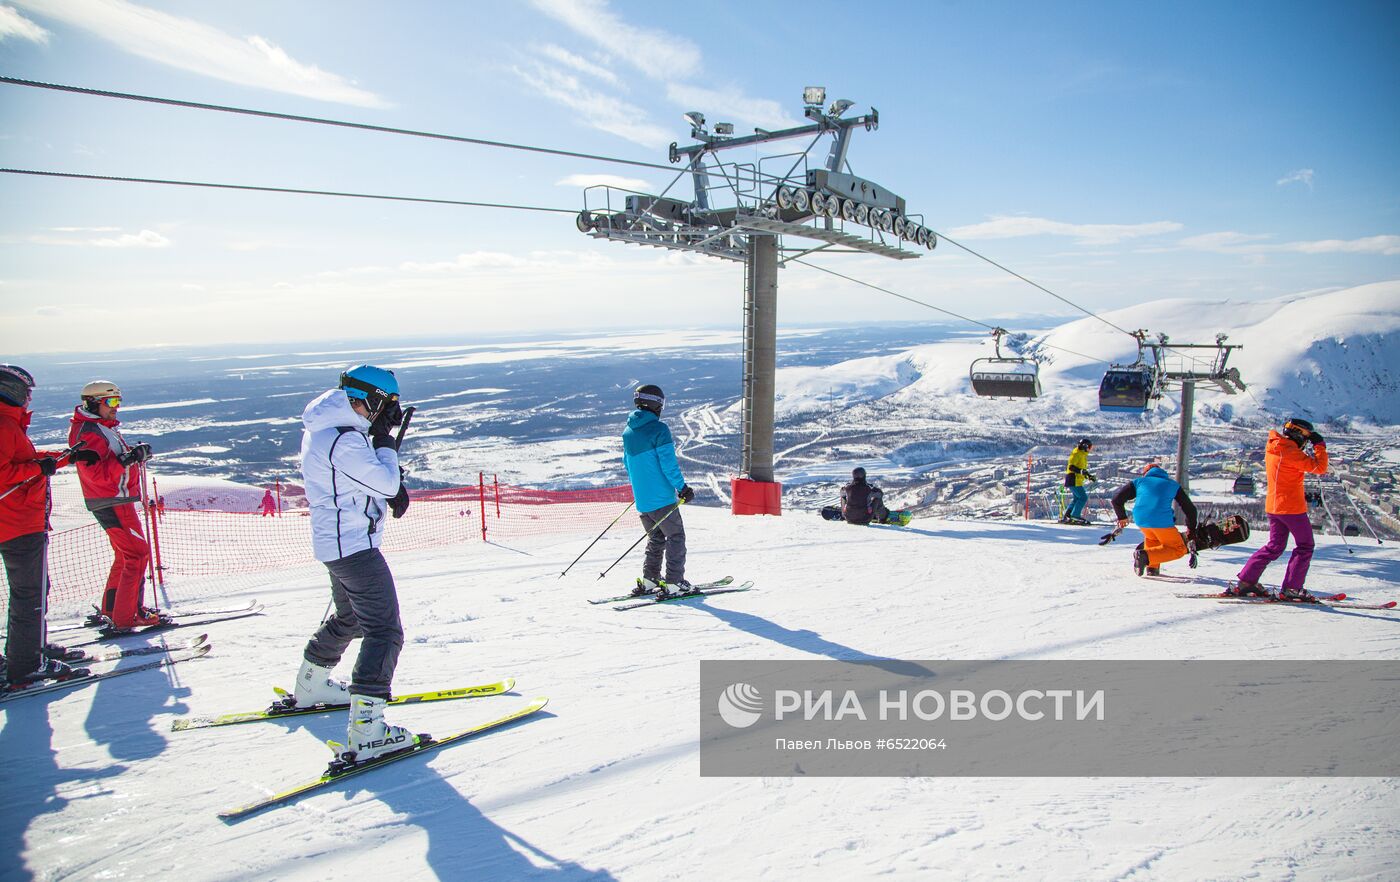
{"points": [[1075, 468]]}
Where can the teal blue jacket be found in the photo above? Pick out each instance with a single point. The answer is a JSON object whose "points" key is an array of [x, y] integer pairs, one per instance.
{"points": [[649, 455]]}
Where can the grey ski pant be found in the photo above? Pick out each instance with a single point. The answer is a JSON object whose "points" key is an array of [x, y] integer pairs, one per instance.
{"points": [[666, 536], [367, 606], [27, 568]]}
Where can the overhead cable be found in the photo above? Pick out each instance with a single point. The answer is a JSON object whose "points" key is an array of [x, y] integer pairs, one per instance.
{"points": [[292, 117], [295, 190], [955, 315]]}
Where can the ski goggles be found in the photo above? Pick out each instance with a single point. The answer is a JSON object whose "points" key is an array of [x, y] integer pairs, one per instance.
{"points": [[375, 399], [111, 401]]}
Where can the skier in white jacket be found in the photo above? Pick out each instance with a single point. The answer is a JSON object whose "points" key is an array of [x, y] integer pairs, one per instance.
{"points": [[350, 467]]}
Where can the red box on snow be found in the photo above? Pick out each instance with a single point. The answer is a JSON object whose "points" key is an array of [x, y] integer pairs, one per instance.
{"points": [[755, 497]]}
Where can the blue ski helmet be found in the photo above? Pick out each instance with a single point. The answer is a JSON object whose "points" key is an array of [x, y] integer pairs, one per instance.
{"points": [[376, 387]]}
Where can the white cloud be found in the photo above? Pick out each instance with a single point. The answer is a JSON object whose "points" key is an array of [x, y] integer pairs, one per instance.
{"points": [[582, 65], [653, 52], [1389, 245], [1087, 234], [1299, 176], [731, 104], [1251, 243], [596, 109], [143, 239], [581, 181], [84, 229], [12, 24], [469, 261], [1225, 242], [199, 48]]}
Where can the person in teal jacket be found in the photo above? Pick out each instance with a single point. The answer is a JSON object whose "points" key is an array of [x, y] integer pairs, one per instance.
{"points": [[659, 489]]}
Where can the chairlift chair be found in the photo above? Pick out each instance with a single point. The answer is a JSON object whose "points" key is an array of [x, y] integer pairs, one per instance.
{"points": [[1128, 389], [1005, 376]]}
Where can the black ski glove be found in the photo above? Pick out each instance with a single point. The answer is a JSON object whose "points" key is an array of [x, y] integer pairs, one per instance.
{"points": [[85, 457], [388, 420], [1316, 440], [139, 453], [686, 494], [384, 440], [47, 465], [399, 503], [1089, 476]]}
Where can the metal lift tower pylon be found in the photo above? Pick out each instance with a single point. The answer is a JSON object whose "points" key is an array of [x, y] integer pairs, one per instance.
{"points": [[743, 212]]}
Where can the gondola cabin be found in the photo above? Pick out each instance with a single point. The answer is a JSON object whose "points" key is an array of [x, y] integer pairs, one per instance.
{"points": [[1005, 378], [1128, 389], [1244, 485]]}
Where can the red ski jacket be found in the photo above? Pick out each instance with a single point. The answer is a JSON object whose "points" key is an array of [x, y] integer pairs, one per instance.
{"points": [[106, 483], [26, 510]]}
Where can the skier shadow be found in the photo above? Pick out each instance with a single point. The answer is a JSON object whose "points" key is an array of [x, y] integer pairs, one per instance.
{"points": [[1371, 563], [29, 768], [809, 641], [122, 709], [463, 843]]}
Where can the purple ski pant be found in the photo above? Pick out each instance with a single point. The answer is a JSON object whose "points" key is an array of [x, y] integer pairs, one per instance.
{"points": [[1280, 526]]}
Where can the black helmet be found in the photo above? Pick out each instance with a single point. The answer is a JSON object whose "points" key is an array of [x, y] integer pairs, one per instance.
{"points": [[649, 397], [858, 473], [1086, 443], [15, 384], [1300, 423]]}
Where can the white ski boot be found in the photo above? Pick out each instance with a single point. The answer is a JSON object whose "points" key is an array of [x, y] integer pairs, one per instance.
{"points": [[316, 686], [368, 736]]}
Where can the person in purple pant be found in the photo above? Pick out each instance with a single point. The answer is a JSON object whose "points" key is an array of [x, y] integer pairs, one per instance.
{"points": [[1287, 460]]}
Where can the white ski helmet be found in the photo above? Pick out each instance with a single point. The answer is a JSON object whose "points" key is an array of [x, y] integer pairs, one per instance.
{"points": [[96, 391]]}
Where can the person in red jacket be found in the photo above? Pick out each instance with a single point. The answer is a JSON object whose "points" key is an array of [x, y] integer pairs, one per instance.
{"points": [[111, 488], [24, 533], [1286, 461]]}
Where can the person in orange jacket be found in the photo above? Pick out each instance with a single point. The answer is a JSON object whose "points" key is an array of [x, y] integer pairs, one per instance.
{"points": [[1287, 460]]}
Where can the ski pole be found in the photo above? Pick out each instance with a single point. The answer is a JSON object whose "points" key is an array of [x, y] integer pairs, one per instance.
{"points": [[1322, 497], [1362, 515], [27, 481], [1109, 537], [595, 541], [675, 508]]}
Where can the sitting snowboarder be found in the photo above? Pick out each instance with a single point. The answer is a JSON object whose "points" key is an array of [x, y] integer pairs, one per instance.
{"points": [[1155, 492], [863, 503]]}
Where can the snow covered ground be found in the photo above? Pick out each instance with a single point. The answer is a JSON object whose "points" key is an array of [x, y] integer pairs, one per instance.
{"points": [[605, 784]]}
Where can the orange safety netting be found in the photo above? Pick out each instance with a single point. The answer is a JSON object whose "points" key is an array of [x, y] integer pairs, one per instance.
{"points": [[203, 552]]}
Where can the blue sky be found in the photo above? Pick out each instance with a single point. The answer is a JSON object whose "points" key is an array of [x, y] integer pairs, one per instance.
{"points": [[1115, 152]]}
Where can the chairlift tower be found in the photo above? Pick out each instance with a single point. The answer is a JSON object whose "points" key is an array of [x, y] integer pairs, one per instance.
{"points": [[745, 212], [1179, 366]]}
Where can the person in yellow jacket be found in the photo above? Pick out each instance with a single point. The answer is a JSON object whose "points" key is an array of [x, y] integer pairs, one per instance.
{"points": [[1077, 474]]}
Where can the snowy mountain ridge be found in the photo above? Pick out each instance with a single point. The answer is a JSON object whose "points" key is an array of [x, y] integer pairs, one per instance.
{"points": [[1328, 356]]}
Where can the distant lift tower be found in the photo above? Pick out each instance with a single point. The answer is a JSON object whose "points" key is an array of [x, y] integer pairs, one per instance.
{"points": [[741, 212], [1179, 366]]}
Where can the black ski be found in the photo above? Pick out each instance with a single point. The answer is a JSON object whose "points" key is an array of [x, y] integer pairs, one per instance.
{"points": [[115, 653], [44, 687], [672, 598], [108, 637], [718, 583], [97, 620]]}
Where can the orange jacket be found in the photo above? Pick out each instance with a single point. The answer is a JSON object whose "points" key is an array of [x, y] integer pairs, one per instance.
{"points": [[1285, 463]]}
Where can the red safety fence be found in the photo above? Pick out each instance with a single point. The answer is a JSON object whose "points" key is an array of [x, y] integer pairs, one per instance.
{"points": [[201, 552]]}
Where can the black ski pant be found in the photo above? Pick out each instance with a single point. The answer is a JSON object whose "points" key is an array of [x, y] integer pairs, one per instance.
{"points": [[665, 537], [367, 606], [27, 568]]}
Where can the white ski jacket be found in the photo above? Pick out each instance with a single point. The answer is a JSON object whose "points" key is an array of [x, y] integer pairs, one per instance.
{"points": [[346, 479]]}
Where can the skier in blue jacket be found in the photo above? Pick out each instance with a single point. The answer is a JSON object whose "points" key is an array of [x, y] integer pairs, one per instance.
{"points": [[649, 455]]}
